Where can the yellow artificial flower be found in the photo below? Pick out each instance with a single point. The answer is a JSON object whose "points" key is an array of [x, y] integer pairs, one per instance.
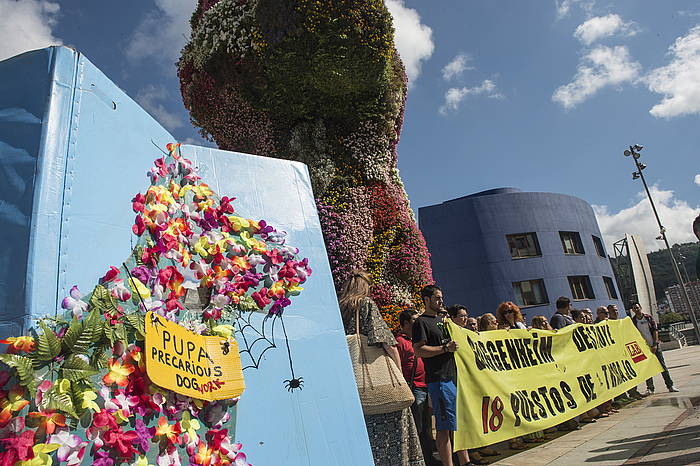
{"points": [[223, 330], [138, 289], [41, 457], [88, 401]]}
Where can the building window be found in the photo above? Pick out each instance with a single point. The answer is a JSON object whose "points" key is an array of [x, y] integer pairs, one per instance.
{"points": [[530, 293], [581, 287], [599, 246], [610, 286], [571, 242], [523, 245]]}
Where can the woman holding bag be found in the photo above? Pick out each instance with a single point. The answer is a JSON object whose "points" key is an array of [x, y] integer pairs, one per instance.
{"points": [[392, 435]]}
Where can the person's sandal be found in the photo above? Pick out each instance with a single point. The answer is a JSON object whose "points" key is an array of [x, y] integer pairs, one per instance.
{"points": [[517, 446]]}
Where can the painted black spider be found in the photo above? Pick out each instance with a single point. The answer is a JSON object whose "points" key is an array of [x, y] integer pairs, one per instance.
{"points": [[226, 347], [155, 321], [291, 384]]}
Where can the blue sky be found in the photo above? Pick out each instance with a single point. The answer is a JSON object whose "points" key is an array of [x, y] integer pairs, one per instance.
{"points": [[540, 95]]}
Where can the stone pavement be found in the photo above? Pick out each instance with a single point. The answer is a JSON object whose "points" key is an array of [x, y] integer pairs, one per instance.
{"points": [[662, 429]]}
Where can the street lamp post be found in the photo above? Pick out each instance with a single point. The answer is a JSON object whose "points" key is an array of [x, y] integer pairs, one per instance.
{"points": [[634, 152]]}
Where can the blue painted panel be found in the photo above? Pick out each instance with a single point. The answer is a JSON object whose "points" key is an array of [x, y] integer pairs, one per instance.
{"points": [[24, 91], [89, 155]]}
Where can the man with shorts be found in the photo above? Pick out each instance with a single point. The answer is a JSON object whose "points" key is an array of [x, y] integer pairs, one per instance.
{"points": [[433, 344]]}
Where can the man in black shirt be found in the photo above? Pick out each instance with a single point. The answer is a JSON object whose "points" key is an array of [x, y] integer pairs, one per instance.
{"points": [[562, 316], [432, 343]]}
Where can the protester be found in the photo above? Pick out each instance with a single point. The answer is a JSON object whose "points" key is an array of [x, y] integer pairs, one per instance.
{"points": [[562, 316], [488, 321], [541, 323], [509, 316], [414, 373], [432, 343], [587, 315], [650, 331], [613, 314], [472, 324], [459, 314], [578, 316], [392, 436], [602, 313]]}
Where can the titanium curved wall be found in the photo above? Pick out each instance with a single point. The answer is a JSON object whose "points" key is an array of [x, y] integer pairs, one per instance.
{"points": [[471, 256]]}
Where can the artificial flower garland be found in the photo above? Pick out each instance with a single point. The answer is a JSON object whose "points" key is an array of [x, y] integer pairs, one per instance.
{"points": [[78, 383]]}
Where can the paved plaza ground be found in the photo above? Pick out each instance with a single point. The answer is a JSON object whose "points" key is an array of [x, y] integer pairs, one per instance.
{"points": [[662, 429]]}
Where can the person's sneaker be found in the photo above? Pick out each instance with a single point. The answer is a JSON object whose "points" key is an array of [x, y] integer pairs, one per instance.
{"points": [[648, 392], [673, 389]]}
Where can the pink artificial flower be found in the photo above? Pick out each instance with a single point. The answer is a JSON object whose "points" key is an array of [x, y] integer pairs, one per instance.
{"points": [[120, 291], [74, 303], [72, 447]]}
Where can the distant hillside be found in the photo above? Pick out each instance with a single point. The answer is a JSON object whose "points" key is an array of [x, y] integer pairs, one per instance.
{"points": [[661, 267]]}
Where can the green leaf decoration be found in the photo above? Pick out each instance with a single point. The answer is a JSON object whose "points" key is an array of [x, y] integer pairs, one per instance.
{"points": [[71, 336], [91, 330], [99, 359], [76, 362], [24, 368], [76, 369], [54, 401], [48, 345], [102, 300], [120, 333], [135, 320]]}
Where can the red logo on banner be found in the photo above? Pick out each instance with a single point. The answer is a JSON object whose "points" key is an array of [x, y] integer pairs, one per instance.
{"points": [[635, 352]]}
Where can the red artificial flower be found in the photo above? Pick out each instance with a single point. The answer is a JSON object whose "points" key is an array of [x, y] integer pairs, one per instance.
{"points": [[17, 448], [121, 441], [139, 226], [111, 274], [260, 297], [137, 203]]}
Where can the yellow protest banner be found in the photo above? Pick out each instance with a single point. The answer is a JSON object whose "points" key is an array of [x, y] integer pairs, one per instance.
{"points": [[515, 382], [198, 366]]}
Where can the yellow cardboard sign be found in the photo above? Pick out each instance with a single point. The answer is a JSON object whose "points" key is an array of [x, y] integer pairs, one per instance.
{"points": [[515, 382], [198, 366]]}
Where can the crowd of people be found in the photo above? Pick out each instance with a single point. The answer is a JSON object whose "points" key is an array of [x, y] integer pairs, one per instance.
{"points": [[426, 358]]}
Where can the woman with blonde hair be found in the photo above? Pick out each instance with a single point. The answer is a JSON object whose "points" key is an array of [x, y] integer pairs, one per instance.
{"points": [[392, 436], [509, 316]]}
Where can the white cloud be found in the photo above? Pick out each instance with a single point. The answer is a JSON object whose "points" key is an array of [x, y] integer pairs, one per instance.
{"points": [[697, 179], [163, 32], [456, 67], [678, 81], [564, 6], [601, 27], [454, 96], [150, 98], [26, 25], [414, 40], [676, 215], [600, 67]]}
